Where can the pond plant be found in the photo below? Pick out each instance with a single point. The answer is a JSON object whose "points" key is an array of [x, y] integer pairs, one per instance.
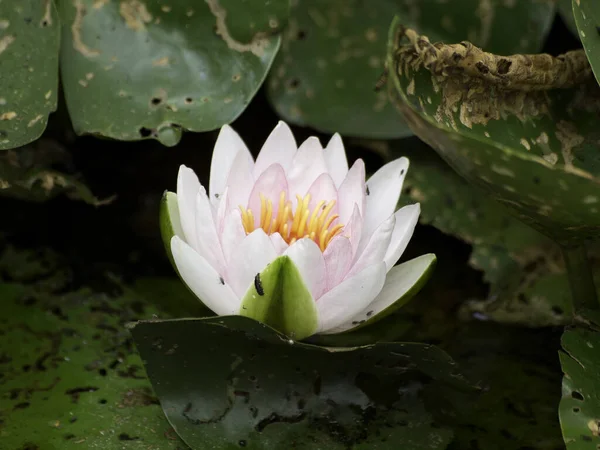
{"points": [[304, 224]]}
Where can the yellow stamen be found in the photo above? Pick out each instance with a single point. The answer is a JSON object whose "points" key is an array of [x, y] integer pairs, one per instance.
{"points": [[316, 225]]}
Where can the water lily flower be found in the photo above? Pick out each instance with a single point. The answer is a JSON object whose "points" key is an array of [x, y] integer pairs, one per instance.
{"points": [[295, 239]]}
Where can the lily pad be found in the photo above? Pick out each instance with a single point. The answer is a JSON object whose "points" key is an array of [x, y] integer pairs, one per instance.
{"points": [[29, 173], [29, 46], [525, 270], [580, 405], [71, 378], [526, 136], [587, 19], [250, 386], [332, 54], [187, 64]]}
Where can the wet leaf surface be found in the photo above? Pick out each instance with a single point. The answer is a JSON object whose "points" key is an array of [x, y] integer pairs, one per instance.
{"points": [[258, 387]]}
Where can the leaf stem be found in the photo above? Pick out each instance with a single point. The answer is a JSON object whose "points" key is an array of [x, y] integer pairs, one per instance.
{"points": [[583, 289]]}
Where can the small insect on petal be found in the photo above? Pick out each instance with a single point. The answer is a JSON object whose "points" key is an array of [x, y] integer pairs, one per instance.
{"points": [[258, 285]]}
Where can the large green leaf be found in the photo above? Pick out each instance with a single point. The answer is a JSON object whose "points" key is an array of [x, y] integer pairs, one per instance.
{"points": [[134, 70], [231, 381], [333, 54], [29, 44], [504, 124], [70, 376], [528, 282], [580, 405], [30, 173], [587, 19]]}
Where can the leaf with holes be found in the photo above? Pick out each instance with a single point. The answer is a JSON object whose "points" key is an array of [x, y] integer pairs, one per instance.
{"points": [[187, 64], [332, 54], [504, 124], [579, 409], [587, 19], [250, 385], [29, 45]]}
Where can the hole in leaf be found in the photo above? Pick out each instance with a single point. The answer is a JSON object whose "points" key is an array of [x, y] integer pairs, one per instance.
{"points": [[156, 101], [145, 132], [294, 83], [301, 35], [189, 100], [557, 310], [576, 410], [577, 395]]}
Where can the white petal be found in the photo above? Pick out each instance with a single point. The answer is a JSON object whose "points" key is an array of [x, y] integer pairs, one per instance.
{"points": [[401, 284], [239, 181], [353, 229], [271, 183], [187, 189], [203, 280], [352, 191], [279, 148], [406, 220], [209, 245], [338, 256], [306, 167], [349, 298], [233, 234], [323, 189], [308, 258], [252, 256], [335, 158], [384, 189], [228, 145], [278, 243], [375, 249], [223, 208]]}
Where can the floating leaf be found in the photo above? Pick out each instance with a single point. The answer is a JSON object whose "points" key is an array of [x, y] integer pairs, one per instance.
{"points": [[332, 54], [251, 386], [29, 45], [187, 64], [587, 19], [504, 124], [580, 405], [29, 173]]}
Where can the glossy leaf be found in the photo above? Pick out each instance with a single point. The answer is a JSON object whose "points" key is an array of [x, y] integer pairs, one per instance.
{"points": [[501, 126], [29, 45], [280, 298], [580, 405], [332, 54], [587, 19], [248, 385], [188, 64]]}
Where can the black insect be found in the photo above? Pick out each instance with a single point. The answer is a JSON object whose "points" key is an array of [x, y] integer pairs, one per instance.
{"points": [[258, 285]]}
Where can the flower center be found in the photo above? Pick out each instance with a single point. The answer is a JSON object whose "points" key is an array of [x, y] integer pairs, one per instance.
{"points": [[316, 224]]}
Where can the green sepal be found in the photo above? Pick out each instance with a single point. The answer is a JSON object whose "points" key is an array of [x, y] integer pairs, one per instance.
{"points": [[170, 222], [280, 298]]}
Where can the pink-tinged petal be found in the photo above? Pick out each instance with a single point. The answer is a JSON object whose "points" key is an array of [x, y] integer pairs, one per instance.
{"points": [[279, 148], [323, 189], [353, 229], [278, 243], [308, 258], [209, 245], [375, 249], [271, 183], [252, 256], [338, 256], [233, 234], [187, 189], [384, 189], [352, 191], [349, 298], [203, 280], [308, 164], [335, 159], [406, 220], [239, 181], [228, 145]]}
